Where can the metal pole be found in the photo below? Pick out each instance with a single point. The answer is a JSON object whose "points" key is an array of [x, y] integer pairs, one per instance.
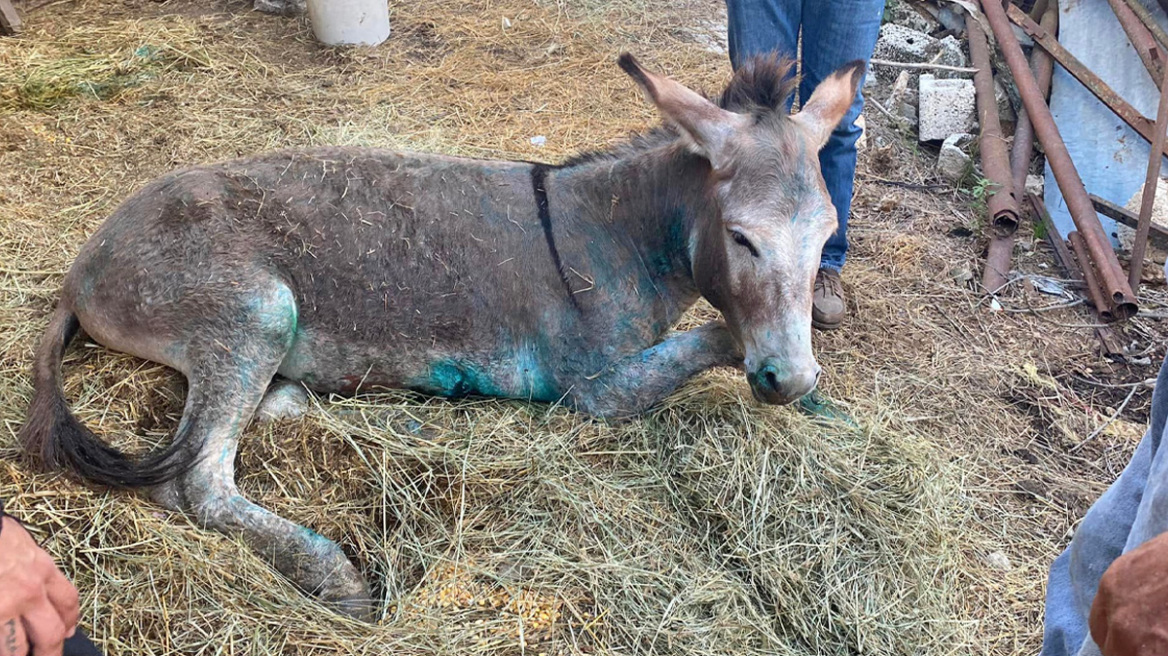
{"points": [[1110, 273], [1043, 67], [1148, 198], [1122, 108], [1089, 277], [995, 162], [1148, 20], [1141, 39], [1157, 235], [1002, 204]]}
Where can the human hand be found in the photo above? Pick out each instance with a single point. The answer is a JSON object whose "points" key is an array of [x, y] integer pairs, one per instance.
{"points": [[1129, 616], [38, 605]]}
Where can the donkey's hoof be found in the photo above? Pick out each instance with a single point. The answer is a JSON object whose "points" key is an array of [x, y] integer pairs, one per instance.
{"points": [[343, 588], [359, 607], [285, 399]]}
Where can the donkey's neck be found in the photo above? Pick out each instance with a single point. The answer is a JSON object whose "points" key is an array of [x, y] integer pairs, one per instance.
{"points": [[647, 203]]}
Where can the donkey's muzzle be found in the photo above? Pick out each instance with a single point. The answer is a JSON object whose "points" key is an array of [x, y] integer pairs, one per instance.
{"points": [[778, 383]]}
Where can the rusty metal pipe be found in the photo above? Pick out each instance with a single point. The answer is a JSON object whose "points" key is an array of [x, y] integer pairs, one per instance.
{"points": [[995, 162], [1043, 67], [1148, 20], [1122, 108], [1141, 39], [1002, 204], [1070, 267], [1107, 266], [1089, 277], [1148, 197]]}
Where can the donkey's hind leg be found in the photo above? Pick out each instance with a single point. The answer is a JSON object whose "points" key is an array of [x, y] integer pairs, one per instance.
{"points": [[230, 372]]}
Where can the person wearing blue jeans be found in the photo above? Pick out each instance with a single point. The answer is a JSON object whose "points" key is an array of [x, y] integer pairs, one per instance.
{"points": [[1108, 592], [834, 32]]}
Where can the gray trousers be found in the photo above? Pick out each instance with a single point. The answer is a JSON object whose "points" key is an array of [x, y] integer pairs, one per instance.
{"points": [[1132, 511]]}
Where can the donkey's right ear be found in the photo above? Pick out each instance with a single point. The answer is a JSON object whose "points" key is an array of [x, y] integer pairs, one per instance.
{"points": [[706, 127]]}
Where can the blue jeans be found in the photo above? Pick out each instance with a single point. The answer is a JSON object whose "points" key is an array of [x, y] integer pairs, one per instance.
{"points": [[835, 32], [1131, 512]]}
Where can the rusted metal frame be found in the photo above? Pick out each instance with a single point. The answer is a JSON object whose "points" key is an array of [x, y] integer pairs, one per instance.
{"points": [[1141, 39], [1156, 234], [1002, 204], [1123, 109], [1071, 269], [1111, 275], [1148, 20], [1148, 197]]}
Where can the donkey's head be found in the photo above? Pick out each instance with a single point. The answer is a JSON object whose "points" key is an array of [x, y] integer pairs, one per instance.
{"points": [[756, 257]]}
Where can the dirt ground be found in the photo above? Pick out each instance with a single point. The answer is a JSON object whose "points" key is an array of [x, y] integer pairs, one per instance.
{"points": [[713, 525]]}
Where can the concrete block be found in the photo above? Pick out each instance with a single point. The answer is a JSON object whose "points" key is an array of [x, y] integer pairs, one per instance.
{"points": [[946, 107], [902, 44]]}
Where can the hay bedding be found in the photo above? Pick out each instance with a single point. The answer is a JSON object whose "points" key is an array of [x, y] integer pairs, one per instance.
{"points": [[712, 526]]}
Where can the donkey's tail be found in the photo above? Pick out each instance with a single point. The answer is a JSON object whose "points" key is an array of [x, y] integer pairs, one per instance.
{"points": [[54, 435]]}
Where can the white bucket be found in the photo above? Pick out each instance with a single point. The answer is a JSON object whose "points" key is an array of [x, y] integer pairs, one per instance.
{"points": [[349, 22]]}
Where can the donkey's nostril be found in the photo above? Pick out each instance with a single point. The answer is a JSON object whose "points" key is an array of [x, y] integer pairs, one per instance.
{"points": [[770, 377], [775, 382]]}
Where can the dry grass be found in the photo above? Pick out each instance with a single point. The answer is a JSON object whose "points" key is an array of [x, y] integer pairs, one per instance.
{"points": [[712, 526]]}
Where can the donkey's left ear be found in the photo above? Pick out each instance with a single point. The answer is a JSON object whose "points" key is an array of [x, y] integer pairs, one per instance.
{"points": [[705, 125], [830, 101]]}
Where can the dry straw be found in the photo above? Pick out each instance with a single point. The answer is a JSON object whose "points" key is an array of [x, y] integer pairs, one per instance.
{"points": [[711, 526]]}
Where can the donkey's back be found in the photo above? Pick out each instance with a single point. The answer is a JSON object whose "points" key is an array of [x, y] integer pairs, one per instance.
{"points": [[394, 269]]}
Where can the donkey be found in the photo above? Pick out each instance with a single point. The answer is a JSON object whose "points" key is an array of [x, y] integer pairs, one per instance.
{"points": [[343, 269]]}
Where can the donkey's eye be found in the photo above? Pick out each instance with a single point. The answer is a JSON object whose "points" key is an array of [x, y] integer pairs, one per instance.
{"points": [[741, 240]]}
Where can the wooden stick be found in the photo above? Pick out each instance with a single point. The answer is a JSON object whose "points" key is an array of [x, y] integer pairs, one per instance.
{"points": [[921, 67], [1148, 198]]}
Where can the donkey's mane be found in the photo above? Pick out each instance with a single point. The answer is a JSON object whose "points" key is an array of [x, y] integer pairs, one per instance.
{"points": [[761, 87]]}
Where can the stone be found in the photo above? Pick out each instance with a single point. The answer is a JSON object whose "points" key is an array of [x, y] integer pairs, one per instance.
{"points": [[1127, 236], [999, 561], [951, 53], [281, 7], [951, 19], [1035, 184], [953, 162], [862, 141], [946, 107], [908, 113], [1006, 114]]}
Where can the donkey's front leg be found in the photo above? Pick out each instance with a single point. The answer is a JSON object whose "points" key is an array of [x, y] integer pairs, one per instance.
{"points": [[634, 384]]}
